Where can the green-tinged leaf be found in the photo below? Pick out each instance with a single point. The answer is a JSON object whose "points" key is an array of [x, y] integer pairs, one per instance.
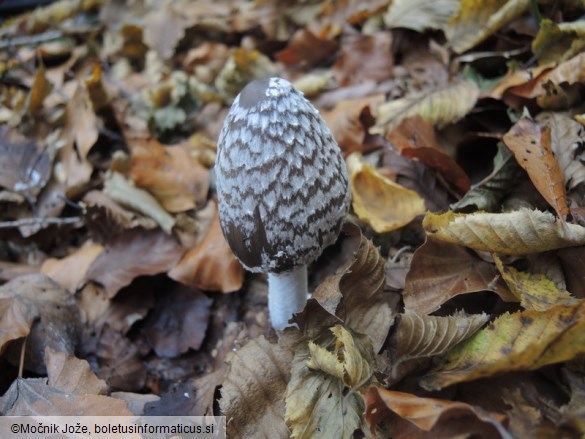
{"points": [[514, 233], [488, 193], [441, 106], [318, 402], [420, 15], [557, 42], [477, 20], [525, 340], [535, 291]]}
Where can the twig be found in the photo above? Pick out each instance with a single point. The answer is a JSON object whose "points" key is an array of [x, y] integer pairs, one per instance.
{"points": [[22, 353], [39, 221], [30, 41]]}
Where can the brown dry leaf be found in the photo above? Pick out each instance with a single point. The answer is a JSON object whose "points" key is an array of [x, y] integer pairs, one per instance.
{"points": [[380, 202], [33, 397], [354, 295], [534, 291], [123, 192], [210, 265], [567, 136], [531, 145], [440, 418], [526, 340], [70, 271], [170, 173], [164, 27], [242, 66], [36, 296], [419, 335], [81, 126], [335, 15], [415, 139], [321, 383], [440, 106], [136, 252], [305, 49], [514, 78], [69, 374], [40, 89], [346, 121], [179, 322], [252, 394], [519, 232], [477, 20], [420, 15], [440, 271], [364, 57], [25, 167]]}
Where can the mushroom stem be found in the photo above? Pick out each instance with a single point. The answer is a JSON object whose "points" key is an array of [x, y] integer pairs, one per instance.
{"points": [[287, 294]]}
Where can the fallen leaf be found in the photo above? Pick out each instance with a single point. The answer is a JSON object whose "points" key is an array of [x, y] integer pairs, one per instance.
{"points": [[163, 29], [440, 106], [557, 42], [513, 233], [69, 374], [177, 180], [475, 21], [380, 202], [178, 322], [135, 253], [81, 126], [70, 271], [210, 265], [179, 400], [252, 394], [440, 271], [534, 291], [121, 191], [526, 340], [318, 387], [305, 49], [420, 15], [531, 145], [40, 89], [441, 418], [363, 57], [33, 397]]}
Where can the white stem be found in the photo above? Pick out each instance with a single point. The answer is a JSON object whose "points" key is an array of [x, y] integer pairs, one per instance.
{"points": [[287, 294]]}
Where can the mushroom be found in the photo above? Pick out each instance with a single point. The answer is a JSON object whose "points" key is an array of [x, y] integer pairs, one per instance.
{"points": [[282, 187]]}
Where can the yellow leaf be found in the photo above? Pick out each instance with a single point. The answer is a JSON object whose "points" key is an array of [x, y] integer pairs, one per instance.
{"points": [[441, 106], [535, 291], [380, 202], [420, 15], [513, 233], [557, 42], [525, 340], [477, 20]]}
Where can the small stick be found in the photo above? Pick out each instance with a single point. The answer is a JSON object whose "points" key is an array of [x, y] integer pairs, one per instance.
{"points": [[39, 221], [30, 41], [22, 353]]}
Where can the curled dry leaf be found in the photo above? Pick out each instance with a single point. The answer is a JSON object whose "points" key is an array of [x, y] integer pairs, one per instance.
{"points": [[136, 252], [354, 295], [531, 145], [36, 296], [475, 21], [440, 106], [70, 271], [419, 335], [33, 397], [380, 202], [440, 418], [72, 375], [513, 233], [534, 291], [253, 390], [210, 265], [321, 383], [121, 191], [440, 271], [556, 42], [526, 340], [171, 174], [420, 15]]}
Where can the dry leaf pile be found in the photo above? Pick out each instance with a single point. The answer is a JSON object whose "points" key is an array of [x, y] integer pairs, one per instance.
{"points": [[453, 304]]}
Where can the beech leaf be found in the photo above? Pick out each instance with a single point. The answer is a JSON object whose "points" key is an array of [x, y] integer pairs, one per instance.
{"points": [[526, 340], [513, 233], [420, 15]]}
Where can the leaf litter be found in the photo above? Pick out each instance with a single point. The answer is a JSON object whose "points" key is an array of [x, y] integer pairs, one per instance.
{"points": [[460, 267]]}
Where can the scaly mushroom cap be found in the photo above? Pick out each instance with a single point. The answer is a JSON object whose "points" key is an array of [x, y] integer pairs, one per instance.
{"points": [[282, 184]]}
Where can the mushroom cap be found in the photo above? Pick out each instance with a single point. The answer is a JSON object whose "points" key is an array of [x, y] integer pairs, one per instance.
{"points": [[282, 184]]}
